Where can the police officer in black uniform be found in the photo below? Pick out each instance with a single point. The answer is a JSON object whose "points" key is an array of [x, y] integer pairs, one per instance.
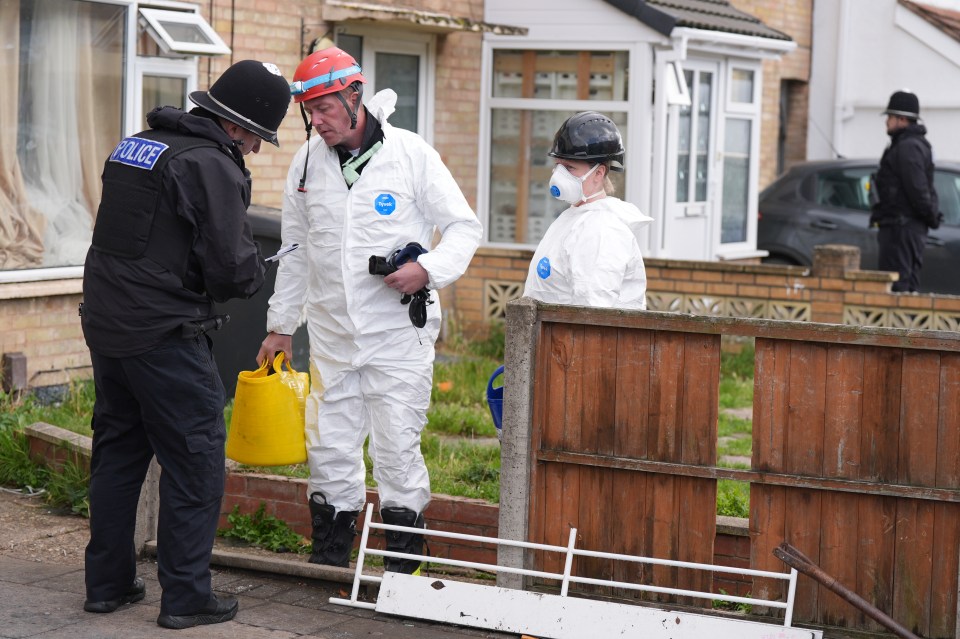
{"points": [[908, 203], [170, 239]]}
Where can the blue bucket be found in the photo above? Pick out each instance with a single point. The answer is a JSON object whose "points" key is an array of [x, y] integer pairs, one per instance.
{"points": [[495, 401]]}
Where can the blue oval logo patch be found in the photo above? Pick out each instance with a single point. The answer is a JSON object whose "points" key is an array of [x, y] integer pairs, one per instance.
{"points": [[543, 268], [385, 204]]}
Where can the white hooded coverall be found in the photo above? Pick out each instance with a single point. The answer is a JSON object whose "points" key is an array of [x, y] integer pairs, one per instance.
{"points": [[590, 256], [371, 369]]}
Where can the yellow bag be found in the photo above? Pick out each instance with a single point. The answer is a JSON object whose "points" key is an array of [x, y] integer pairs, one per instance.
{"points": [[266, 428]]}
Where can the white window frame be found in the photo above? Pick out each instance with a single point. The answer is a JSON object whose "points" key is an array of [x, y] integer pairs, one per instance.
{"points": [[379, 40], [741, 111], [154, 19], [488, 103], [165, 67]]}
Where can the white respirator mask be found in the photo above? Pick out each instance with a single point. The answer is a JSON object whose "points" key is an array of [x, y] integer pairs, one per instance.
{"points": [[569, 188]]}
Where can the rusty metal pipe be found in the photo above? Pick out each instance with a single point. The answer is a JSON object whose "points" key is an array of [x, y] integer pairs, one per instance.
{"points": [[792, 556]]}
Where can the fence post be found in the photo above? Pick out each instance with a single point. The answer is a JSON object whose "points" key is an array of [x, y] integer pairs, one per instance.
{"points": [[523, 329]]}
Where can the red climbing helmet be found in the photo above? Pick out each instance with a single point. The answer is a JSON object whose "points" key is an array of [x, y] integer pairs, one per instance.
{"points": [[323, 72]]}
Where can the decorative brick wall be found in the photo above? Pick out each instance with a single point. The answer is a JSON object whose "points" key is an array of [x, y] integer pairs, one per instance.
{"points": [[833, 290]]}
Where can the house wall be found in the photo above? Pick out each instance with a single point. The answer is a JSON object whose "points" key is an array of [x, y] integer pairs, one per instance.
{"points": [[270, 30], [865, 50], [795, 18]]}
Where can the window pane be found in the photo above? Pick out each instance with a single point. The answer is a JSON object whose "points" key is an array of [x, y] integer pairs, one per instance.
{"points": [[736, 180], [352, 44], [520, 171], [948, 192], [401, 73], [845, 188], [684, 142], [66, 87], [741, 86], [162, 91], [181, 32], [560, 75], [704, 113]]}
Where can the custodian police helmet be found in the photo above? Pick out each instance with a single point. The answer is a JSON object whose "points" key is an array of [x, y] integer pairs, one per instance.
{"points": [[904, 103], [251, 94], [591, 137]]}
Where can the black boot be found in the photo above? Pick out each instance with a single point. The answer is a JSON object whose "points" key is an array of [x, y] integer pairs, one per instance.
{"points": [[332, 534], [405, 542]]}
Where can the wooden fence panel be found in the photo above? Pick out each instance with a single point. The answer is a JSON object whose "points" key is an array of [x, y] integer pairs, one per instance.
{"points": [[876, 533], [607, 393], [856, 455]]}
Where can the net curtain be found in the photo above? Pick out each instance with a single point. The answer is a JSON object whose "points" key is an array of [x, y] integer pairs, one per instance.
{"points": [[60, 93]]}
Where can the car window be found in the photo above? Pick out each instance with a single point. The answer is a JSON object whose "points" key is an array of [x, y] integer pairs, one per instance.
{"points": [[948, 191], [844, 188]]}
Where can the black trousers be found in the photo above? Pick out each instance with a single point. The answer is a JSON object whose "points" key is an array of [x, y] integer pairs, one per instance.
{"points": [[169, 403], [901, 250]]}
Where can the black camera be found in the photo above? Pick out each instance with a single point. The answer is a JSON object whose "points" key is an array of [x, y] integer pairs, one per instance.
{"points": [[419, 301], [380, 265]]}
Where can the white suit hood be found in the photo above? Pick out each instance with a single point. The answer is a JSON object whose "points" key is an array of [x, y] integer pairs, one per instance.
{"points": [[590, 256]]}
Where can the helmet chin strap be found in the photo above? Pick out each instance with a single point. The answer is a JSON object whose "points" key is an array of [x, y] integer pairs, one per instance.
{"points": [[309, 127]]}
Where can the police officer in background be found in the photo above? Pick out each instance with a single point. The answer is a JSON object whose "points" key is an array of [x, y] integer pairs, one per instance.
{"points": [[908, 203], [170, 239]]}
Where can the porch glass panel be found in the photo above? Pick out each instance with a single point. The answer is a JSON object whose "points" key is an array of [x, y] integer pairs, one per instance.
{"points": [[736, 180]]}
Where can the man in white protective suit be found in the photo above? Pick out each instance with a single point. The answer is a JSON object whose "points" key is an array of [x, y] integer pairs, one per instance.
{"points": [[590, 255], [363, 200]]}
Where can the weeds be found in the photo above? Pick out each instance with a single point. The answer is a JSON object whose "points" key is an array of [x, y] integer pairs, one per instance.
{"points": [[734, 606], [264, 531]]}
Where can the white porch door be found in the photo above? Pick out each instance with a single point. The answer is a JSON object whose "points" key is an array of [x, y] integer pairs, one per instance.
{"points": [[691, 138]]}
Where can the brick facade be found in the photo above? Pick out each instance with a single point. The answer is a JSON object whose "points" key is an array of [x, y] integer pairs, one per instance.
{"points": [[281, 32]]}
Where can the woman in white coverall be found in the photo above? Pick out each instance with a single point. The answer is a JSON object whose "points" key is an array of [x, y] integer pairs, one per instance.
{"points": [[363, 188], [590, 255]]}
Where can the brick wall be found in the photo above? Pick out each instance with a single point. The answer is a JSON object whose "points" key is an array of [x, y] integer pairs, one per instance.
{"points": [[281, 32], [286, 499], [40, 320], [829, 289]]}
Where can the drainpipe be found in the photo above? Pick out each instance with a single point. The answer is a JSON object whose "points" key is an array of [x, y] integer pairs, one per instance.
{"points": [[839, 107]]}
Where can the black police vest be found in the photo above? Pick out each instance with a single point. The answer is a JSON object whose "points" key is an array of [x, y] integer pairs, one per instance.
{"points": [[127, 224]]}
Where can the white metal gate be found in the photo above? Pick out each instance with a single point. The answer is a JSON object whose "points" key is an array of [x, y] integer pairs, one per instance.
{"points": [[559, 616]]}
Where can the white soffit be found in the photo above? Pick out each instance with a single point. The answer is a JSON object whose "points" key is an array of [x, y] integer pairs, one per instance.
{"points": [[733, 43]]}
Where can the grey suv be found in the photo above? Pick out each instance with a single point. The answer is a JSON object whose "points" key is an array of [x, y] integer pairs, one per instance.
{"points": [[828, 202]]}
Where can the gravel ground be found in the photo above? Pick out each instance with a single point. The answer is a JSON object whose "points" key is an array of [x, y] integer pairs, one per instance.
{"points": [[31, 530]]}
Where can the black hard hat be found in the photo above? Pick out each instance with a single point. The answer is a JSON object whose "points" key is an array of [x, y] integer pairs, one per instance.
{"points": [[251, 94], [591, 137], [904, 103]]}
